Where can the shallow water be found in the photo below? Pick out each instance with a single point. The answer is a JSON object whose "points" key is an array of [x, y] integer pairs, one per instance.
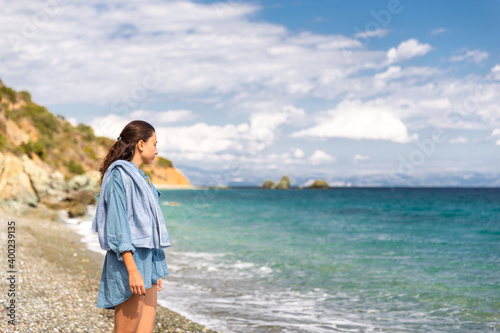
{"points": [[343, 260]]}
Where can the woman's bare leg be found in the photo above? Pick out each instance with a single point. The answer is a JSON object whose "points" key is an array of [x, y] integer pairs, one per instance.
{"points": [[128, 314], [147, 320]]}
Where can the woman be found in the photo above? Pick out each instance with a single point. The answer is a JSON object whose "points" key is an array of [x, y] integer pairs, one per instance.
{"points": [[131, 228]]}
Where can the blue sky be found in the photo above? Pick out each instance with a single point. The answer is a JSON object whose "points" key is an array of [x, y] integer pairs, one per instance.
{"points": [[374, 93]]}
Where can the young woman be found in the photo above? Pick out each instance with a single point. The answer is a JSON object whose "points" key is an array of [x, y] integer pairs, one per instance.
{"points": [[131, 228]]}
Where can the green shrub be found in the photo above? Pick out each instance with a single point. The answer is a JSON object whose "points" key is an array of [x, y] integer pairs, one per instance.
{"points": [[3, 142], [18, 151], [45, 122], [66, 127], [88, 132], [10, 114], [26, 96], [75, 168], [90, 152], [105, 142], [27, 148], [40, 149], [8, 93], [163, 162]]}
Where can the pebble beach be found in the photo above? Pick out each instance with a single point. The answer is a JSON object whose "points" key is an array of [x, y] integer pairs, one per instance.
{"points": [[56, 280]]}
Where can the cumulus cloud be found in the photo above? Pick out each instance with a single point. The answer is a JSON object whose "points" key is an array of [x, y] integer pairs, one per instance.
{"points": [[355, 120], [164, 117], [201, 141], [396, 72], [407, 50], [459, 139], [298, 153], [495, 73], [372, 33], [476, 56], [320, 156], [358, 157], [196, 51], [438, 31], [110, 125]]}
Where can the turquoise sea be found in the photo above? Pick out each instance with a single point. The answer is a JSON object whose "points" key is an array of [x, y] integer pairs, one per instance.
{"points": [[339, 260]]}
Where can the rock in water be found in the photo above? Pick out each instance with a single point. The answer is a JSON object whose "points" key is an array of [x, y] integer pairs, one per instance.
{"points": [[284, 183], [268, 184], [320, 184]]}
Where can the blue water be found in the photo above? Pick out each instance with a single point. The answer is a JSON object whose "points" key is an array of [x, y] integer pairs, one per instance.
{"points": [[340, 260]]}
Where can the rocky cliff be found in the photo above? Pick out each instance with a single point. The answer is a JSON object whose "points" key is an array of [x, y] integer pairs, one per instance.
{"points": [[44, 158]]}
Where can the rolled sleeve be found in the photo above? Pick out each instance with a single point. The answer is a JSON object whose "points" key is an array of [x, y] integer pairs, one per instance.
{"points": [[117, 227]]}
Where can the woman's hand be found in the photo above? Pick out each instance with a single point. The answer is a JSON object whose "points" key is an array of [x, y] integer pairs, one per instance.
{"points": [[159, 284], [135, 280], [136, 283]]}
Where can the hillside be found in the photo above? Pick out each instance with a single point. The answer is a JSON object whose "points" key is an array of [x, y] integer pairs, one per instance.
{"points": [[45, 155]]}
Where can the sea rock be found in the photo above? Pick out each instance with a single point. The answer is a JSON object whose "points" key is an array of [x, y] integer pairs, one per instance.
{"points": [[284, 183], [76, 209], [320, 184], [85, 197], [268, 184]]}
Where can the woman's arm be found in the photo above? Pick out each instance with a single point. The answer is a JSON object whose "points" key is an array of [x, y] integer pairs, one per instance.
{"points": [[134, 277]]}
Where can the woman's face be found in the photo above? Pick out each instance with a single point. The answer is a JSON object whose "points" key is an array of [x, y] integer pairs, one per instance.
{"points": [[149, 150]]}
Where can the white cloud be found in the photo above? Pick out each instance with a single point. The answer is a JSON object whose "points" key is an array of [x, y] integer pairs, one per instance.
{"points": [[72, 121], [393, 72], [438, 103], [202, 138], [438, 31], [355, 120], [320, 156], [475, 56], [298, 153], [265, 126], [496, 132], [194, 142], [495, 73], [372, 33], [109, 126], [459, 139], [407, 50], [195, 50], [164, 117], [358, 157], [396, 72], [208, 143]]}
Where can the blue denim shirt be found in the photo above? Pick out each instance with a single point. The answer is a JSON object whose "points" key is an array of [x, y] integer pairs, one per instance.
{"points": [[129, 199], [117, 227], [151, 264]]}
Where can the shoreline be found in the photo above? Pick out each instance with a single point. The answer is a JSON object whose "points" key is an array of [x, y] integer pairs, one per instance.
{"points": [[57, 280]]}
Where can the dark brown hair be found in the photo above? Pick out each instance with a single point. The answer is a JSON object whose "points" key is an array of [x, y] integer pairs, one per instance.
{"points": [[124, 147]]}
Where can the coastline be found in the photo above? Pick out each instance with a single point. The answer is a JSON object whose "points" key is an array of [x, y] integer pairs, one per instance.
{"points": [[57, 280]]}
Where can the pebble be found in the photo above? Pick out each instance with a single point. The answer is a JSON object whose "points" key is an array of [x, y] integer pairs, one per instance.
{"points": [[56, 296]]}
